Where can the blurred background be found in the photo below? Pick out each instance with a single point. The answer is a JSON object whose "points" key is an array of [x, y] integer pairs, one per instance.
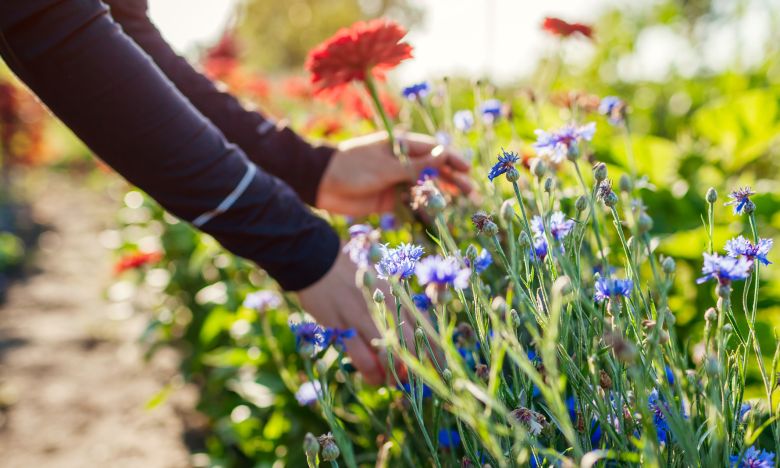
{"points": [[90, 345]]}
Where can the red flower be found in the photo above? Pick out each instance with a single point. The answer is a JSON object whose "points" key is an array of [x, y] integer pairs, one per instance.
{"points": [[365, 47], [297, 87], [559, 27], [221, 60], [136, 260]]}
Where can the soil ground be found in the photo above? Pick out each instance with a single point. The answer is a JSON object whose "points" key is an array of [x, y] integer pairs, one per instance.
{"points": [[73, 383]]}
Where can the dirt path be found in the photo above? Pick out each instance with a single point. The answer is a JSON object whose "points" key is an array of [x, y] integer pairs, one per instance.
{"points": [[71, 376]]}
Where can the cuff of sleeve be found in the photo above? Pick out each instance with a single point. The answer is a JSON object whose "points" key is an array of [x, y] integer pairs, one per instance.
{"points": [[320, 253]]}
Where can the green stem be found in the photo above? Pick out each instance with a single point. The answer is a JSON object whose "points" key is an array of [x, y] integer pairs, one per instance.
{"points": [[380, 109]]}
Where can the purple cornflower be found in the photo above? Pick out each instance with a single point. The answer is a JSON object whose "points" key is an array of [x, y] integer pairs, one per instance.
{"points": [[399, 262], [422, 302], [416, 91], [658, 406], [753, 458], [558, 144], [560, 227], [611, 288], [481, 263], [336, 336], [614, 108], [490, 110], [428, 173], [309, 337], [308, 393], [743, 247], [449, 439], [463, 120], [740, 199], [506, 161], [724, 269], [262, 300], [387, 222], [362, 238], [442, 272]]}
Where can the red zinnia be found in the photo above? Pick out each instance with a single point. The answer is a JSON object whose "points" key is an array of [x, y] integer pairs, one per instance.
{"points": [[366, 47], [559, 27], [136, 260]]}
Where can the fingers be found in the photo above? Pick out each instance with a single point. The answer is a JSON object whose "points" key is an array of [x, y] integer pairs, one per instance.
{"points": [[424, 145]]}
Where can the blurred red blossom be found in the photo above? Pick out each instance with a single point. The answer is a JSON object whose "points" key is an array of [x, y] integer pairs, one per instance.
{"points": [[559, 27], [297, 87], [221, 60], [136, 260], [364, 48]]}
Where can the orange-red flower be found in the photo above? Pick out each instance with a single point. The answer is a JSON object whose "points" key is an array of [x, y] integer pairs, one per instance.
{"points": [[352, 53], [559, 27], [221, 60], [136, 260]]}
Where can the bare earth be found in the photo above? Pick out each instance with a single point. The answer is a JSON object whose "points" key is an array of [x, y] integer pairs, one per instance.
{"points": [[72, 381]]}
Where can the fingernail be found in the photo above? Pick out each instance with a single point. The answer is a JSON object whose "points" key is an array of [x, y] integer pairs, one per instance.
{"points": [[437, 151]]}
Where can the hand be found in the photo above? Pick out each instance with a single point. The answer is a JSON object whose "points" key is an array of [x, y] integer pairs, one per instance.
{"points": [[363, 173], [335, 301]]}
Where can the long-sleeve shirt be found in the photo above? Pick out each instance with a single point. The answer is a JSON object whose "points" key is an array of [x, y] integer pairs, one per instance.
{"points": [[169, 131]]}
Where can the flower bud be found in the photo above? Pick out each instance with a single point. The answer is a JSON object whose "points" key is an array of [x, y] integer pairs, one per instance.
{"points": [[330, 451], [644, 223], [375, 253], [728, 329], [310, 445], [581, 203], [447, 375], [600, 172], [711, 366], [538, 168], [419, 335], [573, 153], [482, 371], [523, 241], [508, 210], [514, 316], [379, 296], [436, 203], [668, 265], [605, 381], [712, 195], [610, 199], [365, 278], [512, 174], [549, 184], [723, 290], [471, 252], [625, 184], [750, 207], [490, 229], [711, 315]]}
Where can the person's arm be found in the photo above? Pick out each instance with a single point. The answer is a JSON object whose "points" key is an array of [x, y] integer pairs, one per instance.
{"points": [[278, 150], [111, 94]]}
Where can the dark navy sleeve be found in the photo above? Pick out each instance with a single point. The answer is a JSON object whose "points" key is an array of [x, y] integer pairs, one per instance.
{"points": [[112, 95], [278, 150]]}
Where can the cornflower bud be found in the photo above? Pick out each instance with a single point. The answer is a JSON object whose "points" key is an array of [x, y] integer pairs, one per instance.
{"points": [[419, 335], [484, 224], [538, 168], [523, 241], [471, 252], [644, 223], [750, 207], [605, 381], [508, 210], [549, 184], [668, 265], [723, 291], [712, 195], [611, 199], [366, 278], [728, 329], [581, 203], [514, 316], [482, 371], [600, 172], [512, 174], [625, 184], [330, 451], [379, 296], [375, 253], [711, 315], [310, 445], [447, 375]]}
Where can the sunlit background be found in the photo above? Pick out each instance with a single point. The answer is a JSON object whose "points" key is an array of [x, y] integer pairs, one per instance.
{"points": [[500, 38]]}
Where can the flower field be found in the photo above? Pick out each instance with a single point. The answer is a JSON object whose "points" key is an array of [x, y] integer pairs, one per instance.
{"points": [[604, 295]]}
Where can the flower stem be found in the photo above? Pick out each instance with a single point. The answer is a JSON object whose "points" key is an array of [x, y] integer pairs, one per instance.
{"points": [[380, 109]]}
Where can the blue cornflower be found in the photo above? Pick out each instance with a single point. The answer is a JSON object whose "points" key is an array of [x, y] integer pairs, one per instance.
{"points": [[540, 247], [724, 269], [416, 91], [428, 173], [506, 161], [387, 222], [463, 120], [740, 199], [449, 439], [442, 272], [362, 238], [481, 263], [595, 436], [262, 300], [490, 110], [308, 392], [422, 302], [743, 411], [753, 458], [560, 227], [336, 336], [751, 251], [658, 406], [426, 390], [614, 108], [559, 143], [669, 375], [309, 337], [611, 288], [399, 262]]}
